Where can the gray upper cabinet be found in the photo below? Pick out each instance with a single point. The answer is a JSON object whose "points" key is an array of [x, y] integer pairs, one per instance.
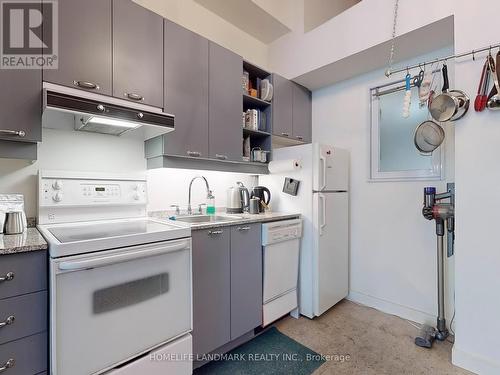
{"points": [[211, 289], [282, 106], [225, 104], [302, 121], [246, 279], [21, 105], [137, 53], [84, 59], [186, 91]]}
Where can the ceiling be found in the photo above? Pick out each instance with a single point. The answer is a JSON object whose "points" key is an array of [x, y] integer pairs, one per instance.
{"points": [[248, 16]]}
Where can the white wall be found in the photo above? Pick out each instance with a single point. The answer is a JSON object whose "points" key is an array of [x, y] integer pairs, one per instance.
{"points": [[392, 247], [477, 145], [195, 17], [70, 150], [169, 186]]}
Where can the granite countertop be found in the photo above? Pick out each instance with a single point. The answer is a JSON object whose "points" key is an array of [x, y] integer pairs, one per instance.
{"points": [[30, 240], [238, 219]]}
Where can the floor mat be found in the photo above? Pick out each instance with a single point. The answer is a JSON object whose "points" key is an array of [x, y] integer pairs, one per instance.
{"points": [[270, 353]]}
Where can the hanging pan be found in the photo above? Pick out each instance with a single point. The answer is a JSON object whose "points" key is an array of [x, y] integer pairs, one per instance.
{"points": [[449, 105], [428, 136]]}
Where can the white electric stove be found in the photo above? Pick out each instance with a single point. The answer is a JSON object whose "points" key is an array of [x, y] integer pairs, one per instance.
{"points": [[120, 282]]}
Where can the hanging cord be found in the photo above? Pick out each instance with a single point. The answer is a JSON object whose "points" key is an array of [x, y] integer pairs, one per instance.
{"points": [[391, 55]]}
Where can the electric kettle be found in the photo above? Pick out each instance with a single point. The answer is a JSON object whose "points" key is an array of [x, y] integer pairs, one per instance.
{"points": [[238, 199], [261, 192]]}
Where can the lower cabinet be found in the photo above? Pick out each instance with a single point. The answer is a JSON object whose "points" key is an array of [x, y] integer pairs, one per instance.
{"points": [[227, 285], [23, 313], [211, 289], [246, 279]]}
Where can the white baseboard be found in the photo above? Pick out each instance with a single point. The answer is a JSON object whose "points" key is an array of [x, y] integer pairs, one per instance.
{"points": [[474, 363], [404, 312]]}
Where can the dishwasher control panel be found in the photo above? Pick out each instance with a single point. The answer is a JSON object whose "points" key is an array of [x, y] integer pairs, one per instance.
{"points": [[280, 231]]}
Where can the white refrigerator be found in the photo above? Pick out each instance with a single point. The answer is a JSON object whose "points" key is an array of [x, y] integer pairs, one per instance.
{"points": [[323, 201]]}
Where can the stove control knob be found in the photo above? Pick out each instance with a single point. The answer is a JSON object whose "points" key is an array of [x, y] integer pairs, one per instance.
{"points": [[57, 185], [57, 197]]}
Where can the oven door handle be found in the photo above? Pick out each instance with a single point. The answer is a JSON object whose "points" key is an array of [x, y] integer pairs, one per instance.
{"points": [[118, 258]]}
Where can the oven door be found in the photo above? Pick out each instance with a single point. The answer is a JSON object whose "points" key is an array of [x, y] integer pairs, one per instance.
{"points": [[111, 306]]}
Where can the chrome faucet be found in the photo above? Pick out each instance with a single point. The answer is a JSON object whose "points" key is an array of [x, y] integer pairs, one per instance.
{"points": [[209, 193]]}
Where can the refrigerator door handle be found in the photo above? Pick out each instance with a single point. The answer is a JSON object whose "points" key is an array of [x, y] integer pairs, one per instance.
{"points": [[322, 181], [323, 213]]}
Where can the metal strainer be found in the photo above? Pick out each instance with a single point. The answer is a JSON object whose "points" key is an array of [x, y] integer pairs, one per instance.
{"points": [[428, 136]]}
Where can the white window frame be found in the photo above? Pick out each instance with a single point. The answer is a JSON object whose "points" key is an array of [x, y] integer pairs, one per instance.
{"points": [[434, 174]]}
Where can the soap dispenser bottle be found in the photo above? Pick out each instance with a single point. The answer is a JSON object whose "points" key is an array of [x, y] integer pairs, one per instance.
{"points": [[210, 203]]}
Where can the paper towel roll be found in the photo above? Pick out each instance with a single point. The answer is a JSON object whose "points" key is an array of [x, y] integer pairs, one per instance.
{"points": [[282, 166]]}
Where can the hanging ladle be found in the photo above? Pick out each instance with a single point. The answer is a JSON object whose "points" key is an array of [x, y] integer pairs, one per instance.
{"points": [[494, 100]]}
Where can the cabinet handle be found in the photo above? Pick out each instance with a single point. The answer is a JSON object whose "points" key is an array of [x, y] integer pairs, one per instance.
{"points": [[212, 232], [8, 321], [299, 137], [8, 277], [133, 96], [221, 157], [285, 134], [7, 365], [16, 133], [194, 153], [86, 85], [241, 229]]}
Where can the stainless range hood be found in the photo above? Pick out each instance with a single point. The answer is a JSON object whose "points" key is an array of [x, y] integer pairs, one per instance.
{"points": [[69, 108]]}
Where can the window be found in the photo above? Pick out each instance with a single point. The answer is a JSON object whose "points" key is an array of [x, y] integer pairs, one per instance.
{"points": [[393, 153]]}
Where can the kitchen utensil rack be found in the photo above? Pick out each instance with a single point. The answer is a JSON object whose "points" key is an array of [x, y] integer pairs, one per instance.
{"points": [[440, 59]]}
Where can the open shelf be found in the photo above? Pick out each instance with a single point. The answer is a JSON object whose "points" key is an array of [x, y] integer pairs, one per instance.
{"points": [[253, 102], [255, 133], [257, 138]]}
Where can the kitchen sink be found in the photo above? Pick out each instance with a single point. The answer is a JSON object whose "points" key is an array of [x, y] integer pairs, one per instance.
{"points": [[206, 218]]}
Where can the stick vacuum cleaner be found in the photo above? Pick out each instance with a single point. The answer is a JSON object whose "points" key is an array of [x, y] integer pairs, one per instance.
{"points": [[443, 213]]}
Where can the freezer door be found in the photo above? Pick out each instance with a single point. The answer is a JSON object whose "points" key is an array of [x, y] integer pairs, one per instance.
{"points": [[331, 256], [331, 168]]}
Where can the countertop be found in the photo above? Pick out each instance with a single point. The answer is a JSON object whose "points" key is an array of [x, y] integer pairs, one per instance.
{"points": [[238, 219], [30, 240]]}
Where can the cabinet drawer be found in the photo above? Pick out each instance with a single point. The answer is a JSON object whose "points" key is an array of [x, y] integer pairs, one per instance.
{"points": [[29, 314], [29, 355], [28, 273]]}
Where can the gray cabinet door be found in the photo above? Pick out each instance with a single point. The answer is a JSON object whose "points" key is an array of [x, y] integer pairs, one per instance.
{"points": [[28, 273], [282, 106], [211, 289], [186, 91], [225, 101], [137, 53], [29, 315], [302, 121], [29, 355], [246, 279], [84, 46], [21, 105]]}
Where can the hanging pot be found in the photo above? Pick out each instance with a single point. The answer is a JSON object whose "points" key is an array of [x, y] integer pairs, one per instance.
{"points": [[444, 106], [449, 105]]}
